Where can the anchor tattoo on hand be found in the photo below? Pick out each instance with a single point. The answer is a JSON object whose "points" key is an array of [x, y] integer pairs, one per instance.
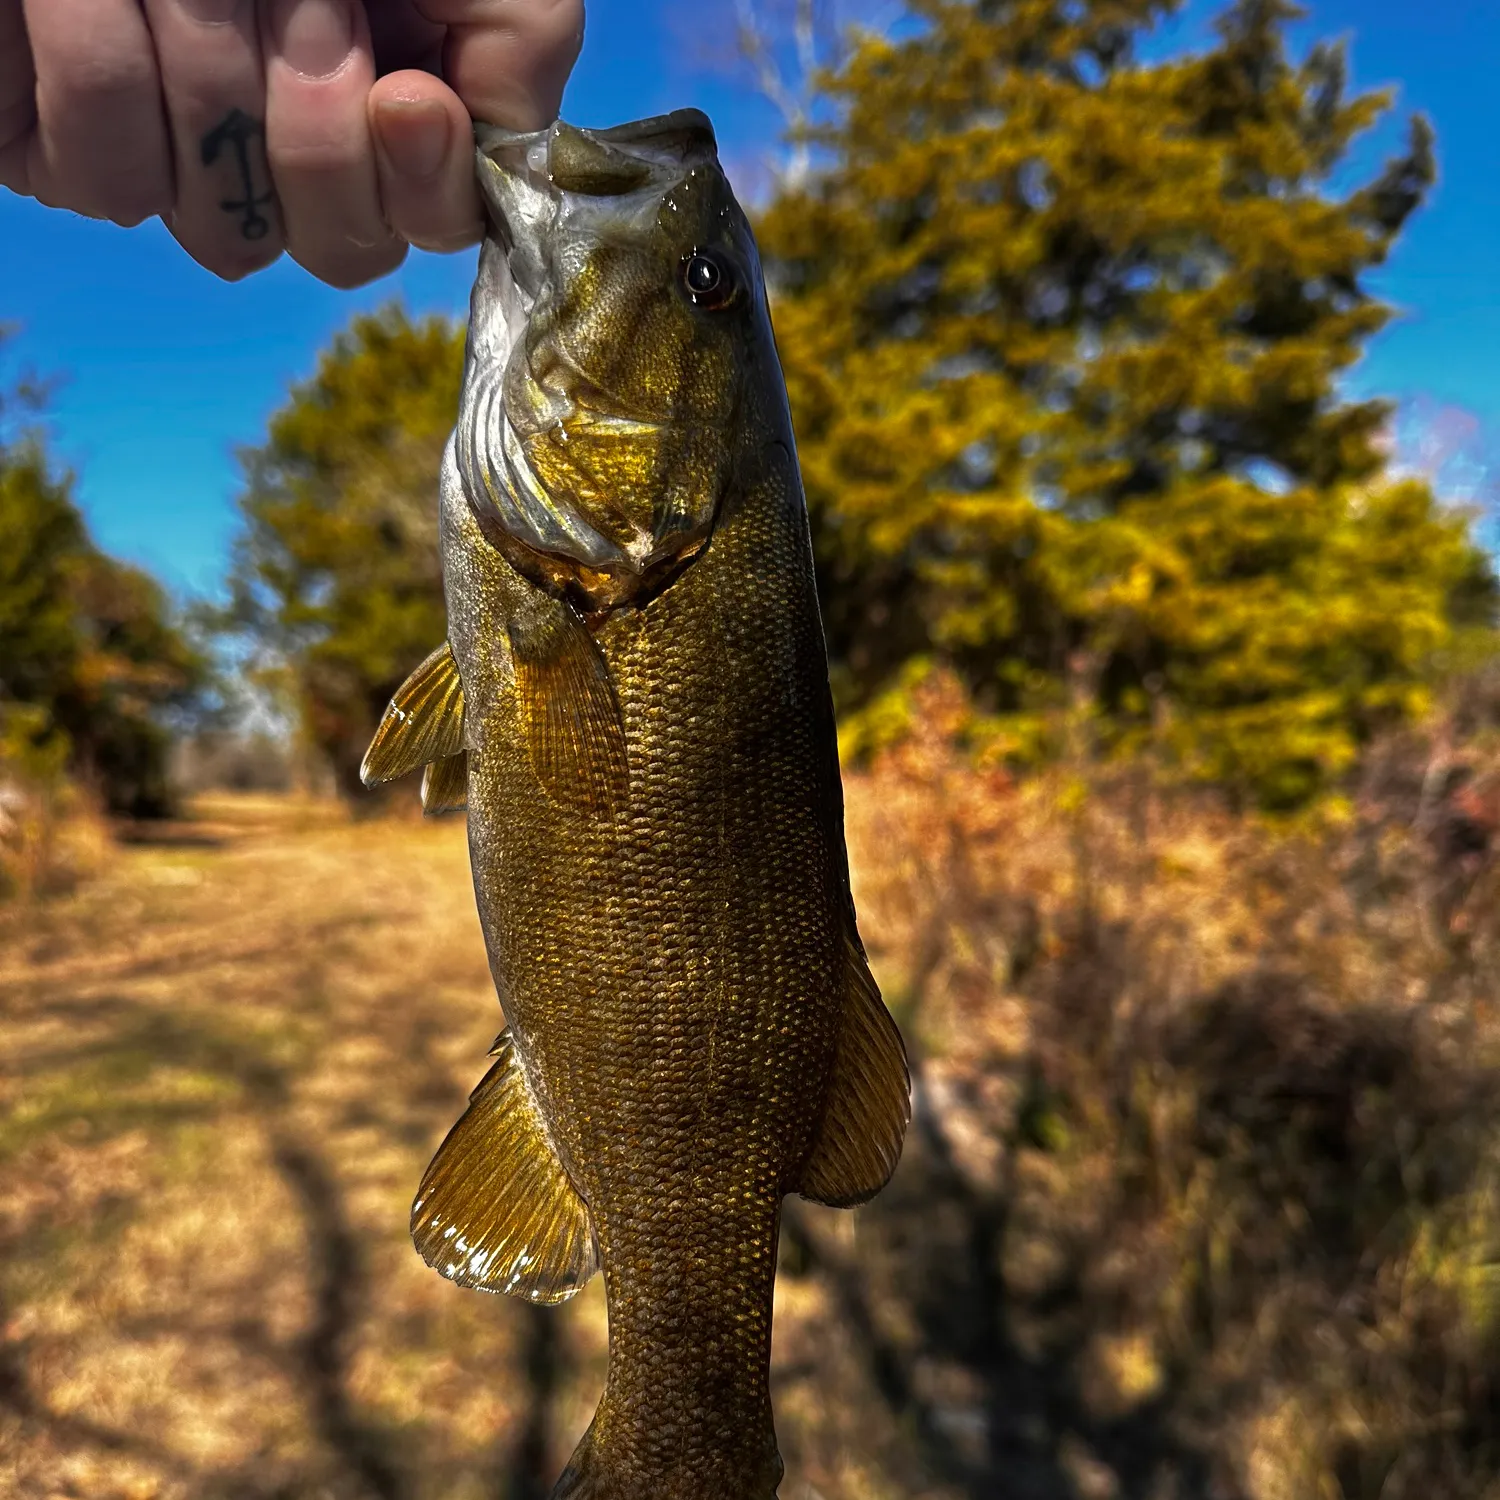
{"points": [[237, 131]]}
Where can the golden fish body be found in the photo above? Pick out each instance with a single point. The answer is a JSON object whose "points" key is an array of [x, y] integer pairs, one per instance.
{"points": [[646, 745]]}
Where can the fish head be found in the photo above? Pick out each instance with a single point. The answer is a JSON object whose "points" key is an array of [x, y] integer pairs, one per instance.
{"points": [[619, 321]]}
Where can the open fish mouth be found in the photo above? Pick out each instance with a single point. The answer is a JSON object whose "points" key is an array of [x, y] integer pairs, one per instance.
{"points": [[552, 195], [541, 184]]}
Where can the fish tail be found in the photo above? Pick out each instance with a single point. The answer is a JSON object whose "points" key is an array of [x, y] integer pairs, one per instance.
{"points": [[595, 1473]]}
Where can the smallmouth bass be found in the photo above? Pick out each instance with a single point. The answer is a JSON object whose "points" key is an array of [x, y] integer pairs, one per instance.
{"points": [[633, 704]]}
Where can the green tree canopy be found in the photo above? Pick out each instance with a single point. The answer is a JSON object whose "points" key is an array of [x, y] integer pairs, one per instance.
{"points": [[93, 666], [336, 573], [1064, 333]]}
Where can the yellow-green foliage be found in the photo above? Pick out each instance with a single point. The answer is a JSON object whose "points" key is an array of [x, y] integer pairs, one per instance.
{"points": [[336, 572], [1063, 333]]}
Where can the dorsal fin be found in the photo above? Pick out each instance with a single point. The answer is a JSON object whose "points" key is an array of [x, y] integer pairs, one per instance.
{"points": [[496, 1210], [869, 1099], [423, 722], [569, 714]]}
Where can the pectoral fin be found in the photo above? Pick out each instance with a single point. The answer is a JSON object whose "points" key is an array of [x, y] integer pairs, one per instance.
{"points": [[869, 1100], [424, 721], [496, 1211], [569, 713], [445, 784]]}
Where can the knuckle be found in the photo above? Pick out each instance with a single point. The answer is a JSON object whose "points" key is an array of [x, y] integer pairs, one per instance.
{"points": [[317, 158], [13, 173], [566, 21], [233, 273], [84, 77], [449, 244], [219, 250], [16, 123], [499, 13], [130, 203], [213, 13], [231, 265], [111, 202], [442, 221], [349, 268], [441, 240], [552, 37], [550, 28]]}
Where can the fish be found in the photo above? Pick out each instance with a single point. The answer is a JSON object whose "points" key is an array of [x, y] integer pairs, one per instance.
{"points": [[633, 705]]}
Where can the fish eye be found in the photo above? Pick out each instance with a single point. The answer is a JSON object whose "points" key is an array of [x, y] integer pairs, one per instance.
{"points": [[708, 279]]}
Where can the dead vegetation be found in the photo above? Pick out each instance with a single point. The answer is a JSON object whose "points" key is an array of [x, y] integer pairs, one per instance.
{"points": [[1201, 1197], [225, 1065]]}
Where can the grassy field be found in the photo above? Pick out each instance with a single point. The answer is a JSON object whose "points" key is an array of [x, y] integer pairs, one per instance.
{"points": [[226, 1062], [1201, 1196]]}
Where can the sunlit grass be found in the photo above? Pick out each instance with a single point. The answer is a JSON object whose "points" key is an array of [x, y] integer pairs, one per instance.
{"points": [[227, 1062], [1202, 1194]]}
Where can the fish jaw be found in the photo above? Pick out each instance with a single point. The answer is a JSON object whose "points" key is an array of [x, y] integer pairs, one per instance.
{"points": [[596, 430]]}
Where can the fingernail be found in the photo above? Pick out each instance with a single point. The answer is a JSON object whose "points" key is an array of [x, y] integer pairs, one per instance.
{"points": [[313, 37], [413, 133]]}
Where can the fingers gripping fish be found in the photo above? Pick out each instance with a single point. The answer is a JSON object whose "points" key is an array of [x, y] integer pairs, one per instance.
{"points": [[633, 703]]}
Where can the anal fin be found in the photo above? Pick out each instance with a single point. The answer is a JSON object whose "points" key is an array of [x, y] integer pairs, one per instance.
{"points": [[570, 716], [869, 1099], [496, 1210], [423, 722]]}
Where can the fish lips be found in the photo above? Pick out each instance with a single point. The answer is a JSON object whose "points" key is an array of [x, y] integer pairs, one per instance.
{"points": [[544, 190], [539, 185]]}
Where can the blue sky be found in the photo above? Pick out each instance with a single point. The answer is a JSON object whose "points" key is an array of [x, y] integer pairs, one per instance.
{"points": [[164, 370]]}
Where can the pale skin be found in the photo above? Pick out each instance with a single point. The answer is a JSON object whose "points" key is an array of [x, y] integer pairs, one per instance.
{"points": [[337, 131]]}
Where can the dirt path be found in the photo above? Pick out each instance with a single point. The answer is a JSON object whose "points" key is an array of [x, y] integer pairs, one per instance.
{"points": [[223, 1066]]}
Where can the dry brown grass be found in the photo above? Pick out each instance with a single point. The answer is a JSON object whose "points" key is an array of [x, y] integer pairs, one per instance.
{"points": [[1201, 1198], [52, 837], [225, 1065]]}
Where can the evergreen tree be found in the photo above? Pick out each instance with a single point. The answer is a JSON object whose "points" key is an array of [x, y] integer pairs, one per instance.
{"points": [[93, 666], [1064, 334], [336, 574]]}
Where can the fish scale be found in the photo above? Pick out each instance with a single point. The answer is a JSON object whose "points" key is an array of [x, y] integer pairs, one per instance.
{"points": [[646, 747], [693, 1280]]}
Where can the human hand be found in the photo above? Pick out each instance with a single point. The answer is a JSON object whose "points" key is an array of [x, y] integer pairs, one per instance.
{"points": [[251, 126]]}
